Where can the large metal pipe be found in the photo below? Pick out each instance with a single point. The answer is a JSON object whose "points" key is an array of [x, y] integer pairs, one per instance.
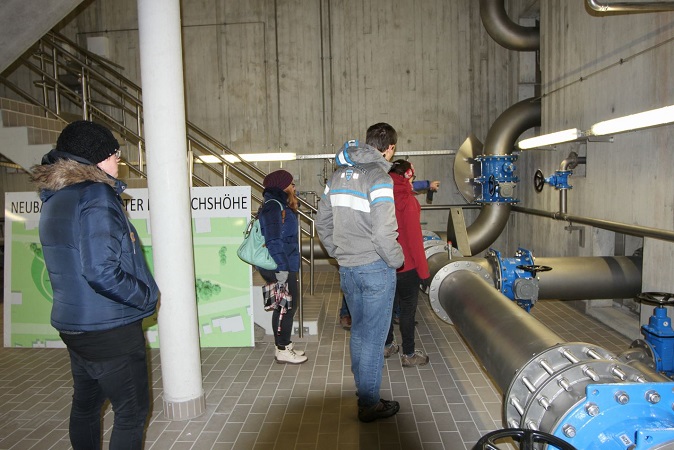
{"points": [[500, 140], [502, 335], [506, 32], [571, 278], [579, 278]]}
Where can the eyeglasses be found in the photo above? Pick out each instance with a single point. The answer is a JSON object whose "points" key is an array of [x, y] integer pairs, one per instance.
{"points": [[118, 154]]}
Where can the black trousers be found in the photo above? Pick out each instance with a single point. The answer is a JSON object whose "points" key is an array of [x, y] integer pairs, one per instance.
{"points": [[407, 297]]}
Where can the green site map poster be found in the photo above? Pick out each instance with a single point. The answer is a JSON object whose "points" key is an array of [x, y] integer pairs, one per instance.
{"points": [[223, 281]]}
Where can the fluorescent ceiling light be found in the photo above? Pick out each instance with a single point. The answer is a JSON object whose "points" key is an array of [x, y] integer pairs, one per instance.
{"points": [[250, 157], [550, 139], [645, 119]]}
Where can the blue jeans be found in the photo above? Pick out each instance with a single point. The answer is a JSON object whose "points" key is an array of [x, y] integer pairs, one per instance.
{"points": [[123, 380], [369, 291]]}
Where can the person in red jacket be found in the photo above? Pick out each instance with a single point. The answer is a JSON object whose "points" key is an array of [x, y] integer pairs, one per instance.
{"points": [[414, 271]]}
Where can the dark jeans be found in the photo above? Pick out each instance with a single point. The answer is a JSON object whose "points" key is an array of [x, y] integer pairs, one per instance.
{"points": [[344, 310], [123, 380], [283, 339], [407, 296]]}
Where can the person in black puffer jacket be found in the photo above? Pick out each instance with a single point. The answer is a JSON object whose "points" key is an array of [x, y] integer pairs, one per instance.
{"points": [[102, 285]]}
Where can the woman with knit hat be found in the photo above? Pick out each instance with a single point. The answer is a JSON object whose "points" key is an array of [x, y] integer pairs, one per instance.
{"points": [[278, 223]]}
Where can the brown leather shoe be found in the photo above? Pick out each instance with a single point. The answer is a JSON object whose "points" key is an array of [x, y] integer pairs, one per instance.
{"points": [[345, 322]]}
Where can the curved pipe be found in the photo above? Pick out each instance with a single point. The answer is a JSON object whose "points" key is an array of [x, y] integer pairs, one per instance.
{"points": [[506, 32], [501, 141]]}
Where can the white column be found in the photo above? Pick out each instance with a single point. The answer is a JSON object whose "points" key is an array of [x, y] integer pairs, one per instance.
{"points": [[170, 213]]}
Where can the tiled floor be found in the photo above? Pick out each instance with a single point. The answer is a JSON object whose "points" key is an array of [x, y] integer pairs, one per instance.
{"points": [[253, 403]]}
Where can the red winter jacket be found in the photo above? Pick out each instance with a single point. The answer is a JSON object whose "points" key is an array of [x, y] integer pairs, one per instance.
{"points": [[408, 215]]}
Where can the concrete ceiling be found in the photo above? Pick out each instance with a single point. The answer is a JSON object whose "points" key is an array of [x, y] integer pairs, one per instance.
{"points": [[24, 22]]}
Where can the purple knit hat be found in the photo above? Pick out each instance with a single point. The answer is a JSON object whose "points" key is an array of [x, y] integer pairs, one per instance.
{"points": [[279, 179]]}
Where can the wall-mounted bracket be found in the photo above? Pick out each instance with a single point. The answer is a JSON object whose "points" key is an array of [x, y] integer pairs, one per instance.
{"points": [[581, 233]]}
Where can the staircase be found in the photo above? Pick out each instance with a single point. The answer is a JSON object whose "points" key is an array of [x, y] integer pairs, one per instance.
{"points": [[25, 134], [65, 82], [61, 82]]}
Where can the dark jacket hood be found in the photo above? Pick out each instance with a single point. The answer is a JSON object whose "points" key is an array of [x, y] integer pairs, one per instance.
{"points": [[50, 178]]}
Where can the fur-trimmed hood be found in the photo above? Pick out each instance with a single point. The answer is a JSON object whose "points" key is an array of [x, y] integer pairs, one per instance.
{"points": [[50, 178]]}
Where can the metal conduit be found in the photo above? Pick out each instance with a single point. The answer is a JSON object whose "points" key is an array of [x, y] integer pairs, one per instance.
{"points": [[632, 230], [631, 6], [580, 278], [506, 32], [502, 335], [500, 141], [571, 278]]}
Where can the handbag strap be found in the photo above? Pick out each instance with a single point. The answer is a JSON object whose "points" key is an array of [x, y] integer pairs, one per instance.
{"points": [[283, 210], [249, 227]]}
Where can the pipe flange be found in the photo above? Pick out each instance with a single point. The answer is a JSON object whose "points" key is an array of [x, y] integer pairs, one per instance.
{"points": [[440, 275], [434, 247], [558, 376]]}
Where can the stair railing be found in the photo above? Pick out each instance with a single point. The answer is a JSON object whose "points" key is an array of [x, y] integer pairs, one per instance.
{"points": [[72, 81]]}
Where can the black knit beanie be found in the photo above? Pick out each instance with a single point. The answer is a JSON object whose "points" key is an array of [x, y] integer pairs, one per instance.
{"points": [[87, 140]]}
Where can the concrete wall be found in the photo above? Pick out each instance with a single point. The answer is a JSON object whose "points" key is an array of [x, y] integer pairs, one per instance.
{"points": [[597, 67], [304, 76]]}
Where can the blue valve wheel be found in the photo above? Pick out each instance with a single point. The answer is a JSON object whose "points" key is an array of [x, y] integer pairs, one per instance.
{"points": [[659, 298], [526, 438], [539, 181]]}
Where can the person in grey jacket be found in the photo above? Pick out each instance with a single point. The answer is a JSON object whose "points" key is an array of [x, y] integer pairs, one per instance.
{"points": [[357, 226], [102, 285]]}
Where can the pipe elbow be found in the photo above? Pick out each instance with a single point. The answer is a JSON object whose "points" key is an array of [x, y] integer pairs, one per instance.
{"points": [[506, 32]]}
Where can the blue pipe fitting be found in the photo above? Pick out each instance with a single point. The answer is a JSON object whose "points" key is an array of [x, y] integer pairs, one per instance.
{"points": [[560, 180], [517, 284], [619, 416], [497, 178], [660, 336]]}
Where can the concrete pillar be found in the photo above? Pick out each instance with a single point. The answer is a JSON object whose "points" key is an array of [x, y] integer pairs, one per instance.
{"points": [[170, 213]]}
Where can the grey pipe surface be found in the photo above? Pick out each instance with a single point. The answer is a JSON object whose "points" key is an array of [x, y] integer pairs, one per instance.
{"points": [[571, 277], [506, 32], [501, 141], [592, 277], [631, 6], [632, 230], [503, 335]]}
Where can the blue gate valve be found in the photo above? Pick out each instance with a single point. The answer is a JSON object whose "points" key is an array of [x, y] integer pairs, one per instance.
{"points": [[659, 333], [516, 277], [497, 179], [560, 180]]}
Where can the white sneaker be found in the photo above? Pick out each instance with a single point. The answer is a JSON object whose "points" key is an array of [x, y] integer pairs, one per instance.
{"points": [[291, 346], [288, 356]]}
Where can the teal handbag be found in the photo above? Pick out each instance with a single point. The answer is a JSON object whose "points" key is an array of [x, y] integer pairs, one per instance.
{"points": [[253, 250]]}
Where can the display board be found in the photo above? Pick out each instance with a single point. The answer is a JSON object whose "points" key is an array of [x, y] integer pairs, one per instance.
{"points": [[223, 282]]}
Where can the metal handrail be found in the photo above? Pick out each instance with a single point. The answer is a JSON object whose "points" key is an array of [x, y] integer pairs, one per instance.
{"points": [[102, 93]]}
